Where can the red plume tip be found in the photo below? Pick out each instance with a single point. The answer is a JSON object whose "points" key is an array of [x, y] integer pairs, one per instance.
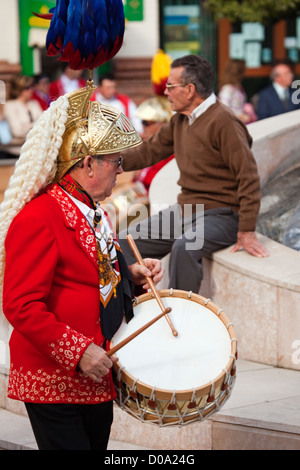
{"points": [[47, 16]]}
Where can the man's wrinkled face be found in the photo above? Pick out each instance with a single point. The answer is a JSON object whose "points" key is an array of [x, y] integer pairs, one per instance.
{"points": [[176, 91], [106, 168]]}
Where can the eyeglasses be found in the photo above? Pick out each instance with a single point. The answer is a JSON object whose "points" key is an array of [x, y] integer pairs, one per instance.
{"points": [[169, 86], [148, 123], [114, 162]]}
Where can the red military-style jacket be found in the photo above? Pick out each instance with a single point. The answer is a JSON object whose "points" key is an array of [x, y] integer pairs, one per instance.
{"points": [[51, 298]]}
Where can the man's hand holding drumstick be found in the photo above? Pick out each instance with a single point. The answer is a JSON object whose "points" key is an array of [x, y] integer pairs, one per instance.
{"points": [[152, 269], [94, 363], [151, 283]]}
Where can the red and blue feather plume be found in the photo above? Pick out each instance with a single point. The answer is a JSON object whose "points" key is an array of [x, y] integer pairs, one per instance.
{"points": [[85, 33]]}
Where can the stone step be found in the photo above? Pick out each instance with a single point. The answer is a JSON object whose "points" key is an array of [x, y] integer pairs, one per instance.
{"points": [[263, 412]]}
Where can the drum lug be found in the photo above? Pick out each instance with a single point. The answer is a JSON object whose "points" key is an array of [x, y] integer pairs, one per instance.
{"points": [[192, 405], [211, 399], [133, 394], [172, 407], [152, 404]]}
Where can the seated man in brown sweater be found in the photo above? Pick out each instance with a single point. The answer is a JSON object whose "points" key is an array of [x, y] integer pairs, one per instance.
{"points": [[220, 188]]}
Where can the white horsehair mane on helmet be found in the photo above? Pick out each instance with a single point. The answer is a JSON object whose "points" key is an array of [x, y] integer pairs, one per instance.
{"points": [[35, 168]]}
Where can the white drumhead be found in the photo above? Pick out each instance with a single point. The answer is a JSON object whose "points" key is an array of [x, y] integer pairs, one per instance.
{"points": [[157, 358]]}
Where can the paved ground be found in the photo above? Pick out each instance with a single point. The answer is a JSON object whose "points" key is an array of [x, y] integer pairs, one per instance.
{"points": [[16, 434]]}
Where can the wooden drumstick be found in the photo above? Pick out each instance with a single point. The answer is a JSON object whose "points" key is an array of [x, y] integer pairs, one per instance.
{"points": [[150, 281], [136, 333]]}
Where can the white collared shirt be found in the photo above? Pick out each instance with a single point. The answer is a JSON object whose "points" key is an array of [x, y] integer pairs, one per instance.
{"points": [[89, 214], [69, 85], [116, 103], [281, 91], [105, 237], [202, 108]]}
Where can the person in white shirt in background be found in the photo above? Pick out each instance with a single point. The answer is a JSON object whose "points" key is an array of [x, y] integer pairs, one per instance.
{"points": [[69, 81]]}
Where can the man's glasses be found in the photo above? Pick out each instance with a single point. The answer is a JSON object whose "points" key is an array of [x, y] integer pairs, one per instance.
{"points": [[169, 86], [148, 123], [114, 162]]}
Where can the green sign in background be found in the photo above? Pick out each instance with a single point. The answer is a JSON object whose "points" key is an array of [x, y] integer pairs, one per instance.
{"points": [[134, 10], [28, 21]]}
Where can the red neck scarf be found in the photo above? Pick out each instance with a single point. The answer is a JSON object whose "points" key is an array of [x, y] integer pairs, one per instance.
{"points": [[72, 187]]}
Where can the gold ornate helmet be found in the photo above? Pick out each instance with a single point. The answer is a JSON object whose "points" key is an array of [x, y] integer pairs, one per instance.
{"points": [[92, 128], [157, 109]]}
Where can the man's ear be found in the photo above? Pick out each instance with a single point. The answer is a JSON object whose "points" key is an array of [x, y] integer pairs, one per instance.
{"points": [[191, 90], [88, 165]]}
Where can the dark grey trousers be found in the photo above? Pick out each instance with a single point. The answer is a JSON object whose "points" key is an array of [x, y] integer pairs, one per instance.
{"points": [[187, 239]]}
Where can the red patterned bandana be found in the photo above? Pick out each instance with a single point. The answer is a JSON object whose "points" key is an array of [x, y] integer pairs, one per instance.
{"points": [[72, 187]]}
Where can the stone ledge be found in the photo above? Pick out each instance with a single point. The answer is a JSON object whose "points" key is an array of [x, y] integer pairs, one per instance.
{"points": [[274, 126], [281, 268]]}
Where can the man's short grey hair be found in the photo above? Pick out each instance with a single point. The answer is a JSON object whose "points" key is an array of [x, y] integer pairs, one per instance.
{"points": [[197, 70]]}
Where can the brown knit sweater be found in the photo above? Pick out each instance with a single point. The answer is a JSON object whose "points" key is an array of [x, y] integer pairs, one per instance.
{"points": [[217, 167]]}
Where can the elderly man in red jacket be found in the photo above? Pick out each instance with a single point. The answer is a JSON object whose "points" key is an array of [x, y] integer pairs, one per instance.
{"points": [[66, 284]]}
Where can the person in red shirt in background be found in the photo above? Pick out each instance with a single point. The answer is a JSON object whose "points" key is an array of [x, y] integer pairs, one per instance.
{"points": [[69, 81], [40, 93]]}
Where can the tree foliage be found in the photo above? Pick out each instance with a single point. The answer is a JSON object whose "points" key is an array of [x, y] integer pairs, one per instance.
{"points": [[252, 10]]}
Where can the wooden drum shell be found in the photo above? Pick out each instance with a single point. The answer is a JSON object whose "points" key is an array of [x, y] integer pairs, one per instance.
{"points": [[165, 407]]}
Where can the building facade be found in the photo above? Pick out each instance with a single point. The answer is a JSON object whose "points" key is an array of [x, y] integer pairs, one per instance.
{"points": [[179, 27]]}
